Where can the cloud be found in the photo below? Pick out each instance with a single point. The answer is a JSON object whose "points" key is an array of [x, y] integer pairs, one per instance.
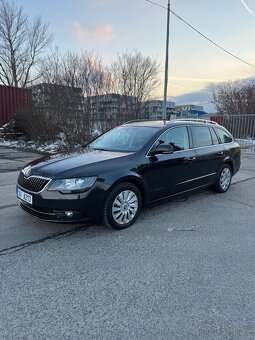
{"points": [[104, 32], [194, 97], [102, 3], [79, 32], [202, 97], [200, 80], [247, 7], [178, 86]]}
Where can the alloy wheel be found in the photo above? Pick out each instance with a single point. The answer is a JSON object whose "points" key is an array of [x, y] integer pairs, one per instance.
{"points": [[125, 207], [225, 178]]}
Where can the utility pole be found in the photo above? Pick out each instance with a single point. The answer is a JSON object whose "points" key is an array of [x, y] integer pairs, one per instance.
{"points": [[166, 62]]}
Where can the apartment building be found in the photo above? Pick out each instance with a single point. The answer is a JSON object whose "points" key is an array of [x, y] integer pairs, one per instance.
{"points": [[190, 110], [153, 109]]}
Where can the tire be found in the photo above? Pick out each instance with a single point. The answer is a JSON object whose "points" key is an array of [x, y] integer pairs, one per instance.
{"points": [[122, 206], [224, 178]]}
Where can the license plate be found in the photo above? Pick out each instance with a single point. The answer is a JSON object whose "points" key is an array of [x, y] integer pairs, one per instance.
{"points": [[24, 196]]}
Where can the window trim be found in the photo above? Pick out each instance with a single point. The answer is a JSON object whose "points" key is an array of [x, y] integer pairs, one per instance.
{"points": [[191, 140], [212, 129]]}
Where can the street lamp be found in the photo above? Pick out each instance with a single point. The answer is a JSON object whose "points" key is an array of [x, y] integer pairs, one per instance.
{"points": [[166, 61]]}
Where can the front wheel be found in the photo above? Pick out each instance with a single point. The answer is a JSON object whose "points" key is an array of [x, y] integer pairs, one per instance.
{"points": [[122, 206], [223, 181]]}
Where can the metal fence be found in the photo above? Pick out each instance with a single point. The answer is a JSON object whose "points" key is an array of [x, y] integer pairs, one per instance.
{"points": [[242, 127]]}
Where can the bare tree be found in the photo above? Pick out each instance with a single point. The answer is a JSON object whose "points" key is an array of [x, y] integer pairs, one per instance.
{"points": [[135, 78], [70, 94], [79, 94], [21, 44], [235, 98]]}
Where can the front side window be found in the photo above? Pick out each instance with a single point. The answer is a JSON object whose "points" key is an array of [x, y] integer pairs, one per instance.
{"points": [[224, 136], [201, 136], [177, 137]]}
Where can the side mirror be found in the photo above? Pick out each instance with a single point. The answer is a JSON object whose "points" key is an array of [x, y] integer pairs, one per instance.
{"points": [[162, 149]]}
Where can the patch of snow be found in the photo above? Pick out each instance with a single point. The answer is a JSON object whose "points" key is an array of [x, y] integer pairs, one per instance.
{"points": [[249, 141], [50, 147]]}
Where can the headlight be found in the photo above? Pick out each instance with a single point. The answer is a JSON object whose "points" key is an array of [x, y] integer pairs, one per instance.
{"points": [[72, 185]]}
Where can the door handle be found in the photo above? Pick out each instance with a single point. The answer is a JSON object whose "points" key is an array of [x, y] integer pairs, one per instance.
{"points": [[190, 159], [220, 153]]}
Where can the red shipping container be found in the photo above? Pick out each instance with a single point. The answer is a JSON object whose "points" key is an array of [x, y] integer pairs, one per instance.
{"points": [[217, 119], [13, 100]]}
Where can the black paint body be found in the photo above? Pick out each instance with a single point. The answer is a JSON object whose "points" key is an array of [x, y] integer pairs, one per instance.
{"points": [[156, 176]]}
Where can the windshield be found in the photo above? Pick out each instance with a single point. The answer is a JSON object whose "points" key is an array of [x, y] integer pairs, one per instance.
{"points": [[124, 138]]}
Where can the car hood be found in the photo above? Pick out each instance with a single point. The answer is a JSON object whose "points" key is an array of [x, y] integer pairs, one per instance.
{"points": [[87, 162]]}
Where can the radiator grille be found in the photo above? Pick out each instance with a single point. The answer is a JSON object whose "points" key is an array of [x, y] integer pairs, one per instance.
{"points": [[34, 184]]}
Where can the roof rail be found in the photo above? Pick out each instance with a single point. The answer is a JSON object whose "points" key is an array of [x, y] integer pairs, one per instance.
{"points": [[207, 121], [145, 120], [135, 121]]}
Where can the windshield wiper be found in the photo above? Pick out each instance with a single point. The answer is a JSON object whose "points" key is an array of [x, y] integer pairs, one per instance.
{"points": [[100, 149]]}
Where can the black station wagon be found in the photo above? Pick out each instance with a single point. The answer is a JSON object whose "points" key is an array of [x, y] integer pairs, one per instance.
{"points": [[131, 166]]}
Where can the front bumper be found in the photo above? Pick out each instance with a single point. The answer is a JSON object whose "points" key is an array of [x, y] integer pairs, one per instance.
{"points": [[63, 216], [67, 208]]}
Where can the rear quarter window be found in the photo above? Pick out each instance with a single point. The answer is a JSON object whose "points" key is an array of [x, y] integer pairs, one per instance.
{"points": [[224, 136]]}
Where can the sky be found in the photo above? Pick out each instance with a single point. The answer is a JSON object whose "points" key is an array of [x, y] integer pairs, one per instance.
{"points": [[112, 26]]}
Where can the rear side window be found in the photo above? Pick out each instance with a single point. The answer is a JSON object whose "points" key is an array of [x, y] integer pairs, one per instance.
{"points": [[201, 136], [177, 137], [224, 136]]}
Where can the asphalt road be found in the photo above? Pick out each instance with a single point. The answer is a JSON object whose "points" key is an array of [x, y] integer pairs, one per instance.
{"points": [[185, 270]]}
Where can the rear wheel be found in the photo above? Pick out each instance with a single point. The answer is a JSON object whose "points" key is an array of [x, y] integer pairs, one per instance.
{"points": [[122, 206], [223, 181]]}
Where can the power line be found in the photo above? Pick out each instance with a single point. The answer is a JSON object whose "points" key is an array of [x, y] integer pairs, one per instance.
{"points": [[203, 35], [154, 3]]}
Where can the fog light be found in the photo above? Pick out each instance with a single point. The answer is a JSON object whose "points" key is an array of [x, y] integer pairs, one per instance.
{"points": [[69, 213]]}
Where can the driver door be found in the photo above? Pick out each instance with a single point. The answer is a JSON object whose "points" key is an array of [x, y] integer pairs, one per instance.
{"points": [[169, 174]]}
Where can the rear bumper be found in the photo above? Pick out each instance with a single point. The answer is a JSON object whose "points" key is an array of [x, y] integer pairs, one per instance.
{"points": [[237, 165], [237, 161]]}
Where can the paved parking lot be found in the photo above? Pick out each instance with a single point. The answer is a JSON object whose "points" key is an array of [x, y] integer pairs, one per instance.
{"points": [[185, 270], [12, 159]]}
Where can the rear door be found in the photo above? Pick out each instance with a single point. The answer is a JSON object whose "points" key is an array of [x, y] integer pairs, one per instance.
{"points": [[232, 149], [209, 154]]}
